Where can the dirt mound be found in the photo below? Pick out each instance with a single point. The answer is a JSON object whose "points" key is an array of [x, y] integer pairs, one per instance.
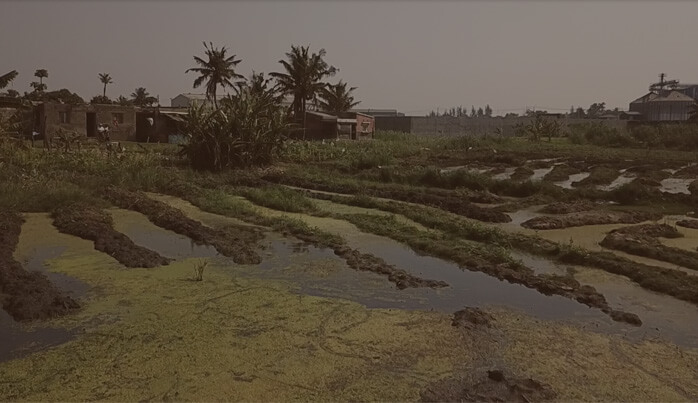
{"points": [[97, 226], [26, 295], [599, 175], [593, 217], [470, 318], [566, 208], [688, 172], [366, 262], [496, 387], [232, 241], [651, 230], [521, 174], [640, 243], [688, 224], [560, 173]]}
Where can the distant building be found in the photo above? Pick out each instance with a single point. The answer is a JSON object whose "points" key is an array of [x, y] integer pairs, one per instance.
{"points": [[186, 100], [325, 126], [378, 112], [667, 101]]}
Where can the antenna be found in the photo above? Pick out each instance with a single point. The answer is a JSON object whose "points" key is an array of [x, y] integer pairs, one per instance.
{"points": [[661, 84]]}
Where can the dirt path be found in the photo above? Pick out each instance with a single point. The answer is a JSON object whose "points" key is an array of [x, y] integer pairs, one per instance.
{"points": [[96, 225], [26, 295], [593, 217], [232, 241]]}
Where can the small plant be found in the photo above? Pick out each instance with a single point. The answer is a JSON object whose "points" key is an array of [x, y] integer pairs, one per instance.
{"points": [[199, 270]]}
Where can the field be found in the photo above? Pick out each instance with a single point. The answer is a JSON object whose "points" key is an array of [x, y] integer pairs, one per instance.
{"points": [[403, 268]]}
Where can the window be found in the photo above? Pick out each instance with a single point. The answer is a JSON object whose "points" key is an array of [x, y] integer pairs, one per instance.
{"points": [[117, 117], [64, 117]]}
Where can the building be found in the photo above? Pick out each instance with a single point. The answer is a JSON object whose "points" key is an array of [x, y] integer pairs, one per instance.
{"points": [[378, 112], [51, 117], [666, 101], [324, 126], [186, 100]]}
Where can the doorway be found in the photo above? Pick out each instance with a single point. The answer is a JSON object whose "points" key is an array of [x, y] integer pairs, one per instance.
{"points": [[91, 124]]}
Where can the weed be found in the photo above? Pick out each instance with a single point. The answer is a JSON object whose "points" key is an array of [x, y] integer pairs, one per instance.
{"points": [[199, 269]]}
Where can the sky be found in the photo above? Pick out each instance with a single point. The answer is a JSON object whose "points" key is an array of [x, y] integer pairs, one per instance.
{"points": [[414, 56]]}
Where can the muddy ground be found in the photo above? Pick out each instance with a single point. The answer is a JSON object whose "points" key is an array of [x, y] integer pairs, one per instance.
{"points": [[26, 295], [232, 241], [97, 226], [592, 217]]}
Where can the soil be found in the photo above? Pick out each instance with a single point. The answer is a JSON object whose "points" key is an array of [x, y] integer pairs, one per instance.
{"points": [[560, 173], [471, 318], [521, 174], [444, 199], [367, 262], [26, 295], [693, 188], [688, 224], [566, 208], [594, 217], [642, 241], [495, 387], [599, 175], [97, 226], [233, 241]]}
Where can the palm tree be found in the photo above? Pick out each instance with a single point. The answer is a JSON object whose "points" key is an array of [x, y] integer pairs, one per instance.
{"points": [[303, 76], [218, 70], [6, 79], [141, 97], [105, 79], [337, 98], [41, 74]]}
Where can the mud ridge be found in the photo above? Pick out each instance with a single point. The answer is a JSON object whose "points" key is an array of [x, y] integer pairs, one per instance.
{"points": [[688, 224], [560, 173], [232, 241], [495, 387], [26, 295], [97, 226], [644, 242], [593, 217], [567, 208]]}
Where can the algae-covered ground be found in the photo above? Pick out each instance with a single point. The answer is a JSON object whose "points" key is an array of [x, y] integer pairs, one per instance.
{"points": [[379, 273]]}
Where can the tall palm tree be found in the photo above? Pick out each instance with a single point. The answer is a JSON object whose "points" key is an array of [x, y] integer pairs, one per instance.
{"points": [[41, 74], [337, 98], [141, 97], [217, 70], [105, 79], [6, 79], [303, 75]]}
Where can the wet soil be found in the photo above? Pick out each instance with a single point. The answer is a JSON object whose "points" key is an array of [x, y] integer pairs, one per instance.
{"points": [[472, 318], [568, 207], [494, 387], [448, 200], [232, 241], [599, 175], [688, 223], [594, 217], [560, 173], [521, 174], [95, 225], [642, 241], [26, 295]]}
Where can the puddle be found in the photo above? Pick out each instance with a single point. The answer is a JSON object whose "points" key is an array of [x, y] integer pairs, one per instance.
{"points": [[167, 243], [618, 182], [18, 341], [675, 185], [539, 174], [332, 207], [504, 175], [567, 184]]}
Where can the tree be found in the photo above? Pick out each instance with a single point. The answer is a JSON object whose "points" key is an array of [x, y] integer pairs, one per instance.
{"points": [[105, 79], [123, 101], [63, 96], [596, 109], [579, 113], [100, 99], [488, 110], [6, 79], [141, 97], [337, 98], [13, 93], [480, 112], [303, 76], [41, 74], [218, 70]]}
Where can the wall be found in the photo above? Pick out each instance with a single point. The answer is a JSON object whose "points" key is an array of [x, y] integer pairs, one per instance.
{"points": [[49, 116], [370, 130], [454, 126]]}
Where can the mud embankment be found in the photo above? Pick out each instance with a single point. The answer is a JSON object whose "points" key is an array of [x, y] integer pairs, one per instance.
{"points": [[693, 224], [593, 217], [444, 199], [97, 226], [641, 240], [26, 295], [567, 208], [560, 173], [233, 241]]}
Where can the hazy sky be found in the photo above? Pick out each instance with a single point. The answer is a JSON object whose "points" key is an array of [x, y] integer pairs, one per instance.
{"points": [[414, 56]]}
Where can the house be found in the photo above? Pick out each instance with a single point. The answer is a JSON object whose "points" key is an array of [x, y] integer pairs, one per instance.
{"points": [[378, 112], [161, 125], [350, 125], [51, 117], [186, 100]]}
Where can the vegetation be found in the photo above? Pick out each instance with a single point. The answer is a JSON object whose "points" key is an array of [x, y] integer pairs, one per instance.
{"points": [[337, 98], [141, 97], [7, 78], [105, 79], [303, 76], [218, 70]]}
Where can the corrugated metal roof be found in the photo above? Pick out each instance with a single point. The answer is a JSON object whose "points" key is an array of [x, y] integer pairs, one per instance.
{"points": [[673, 96], [201, 97], [645, 98]]}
